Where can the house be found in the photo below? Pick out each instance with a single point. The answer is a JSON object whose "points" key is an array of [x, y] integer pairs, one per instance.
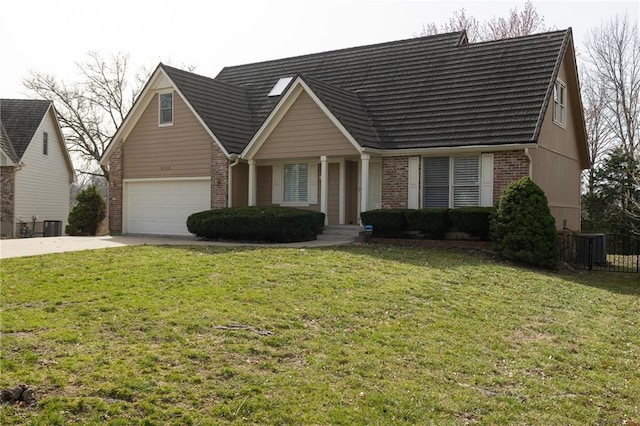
{"points": [[426, 122], [35, 168]]}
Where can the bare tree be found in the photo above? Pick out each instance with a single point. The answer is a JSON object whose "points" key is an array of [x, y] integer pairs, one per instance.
{"points": [[599, 135], [459, 22], [613, 51], [612, 100], [91, 110], [518, 23]]}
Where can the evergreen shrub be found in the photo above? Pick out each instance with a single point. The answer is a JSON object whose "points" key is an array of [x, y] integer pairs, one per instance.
{"points": [[523, 228], [85, 217]]}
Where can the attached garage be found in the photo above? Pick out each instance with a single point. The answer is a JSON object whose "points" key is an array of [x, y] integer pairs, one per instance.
{"points": [[161, 207]]}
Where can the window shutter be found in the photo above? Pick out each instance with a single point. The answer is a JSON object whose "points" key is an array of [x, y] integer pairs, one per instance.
{"points": [[312, 180], [436, 182], [413, 199], [486, 180], [276, 184], [466, 176]]}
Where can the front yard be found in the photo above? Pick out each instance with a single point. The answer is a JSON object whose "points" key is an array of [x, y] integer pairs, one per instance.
{"points": [[351, 335]]}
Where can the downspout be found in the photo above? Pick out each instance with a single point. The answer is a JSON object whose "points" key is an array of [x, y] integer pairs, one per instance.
{"points": [[14, 224], [526, 152], [236, 160]]}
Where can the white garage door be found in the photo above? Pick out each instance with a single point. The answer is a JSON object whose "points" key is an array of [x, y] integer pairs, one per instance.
{"points": [[162, 207]]}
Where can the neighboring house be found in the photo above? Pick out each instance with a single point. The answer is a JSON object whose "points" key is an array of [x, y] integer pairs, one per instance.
{"points": [[425, 122], [35, 168]]}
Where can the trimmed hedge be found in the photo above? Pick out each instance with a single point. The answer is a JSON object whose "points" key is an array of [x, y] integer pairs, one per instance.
{"points": [[386, 222], [475, 221], [272, 224], [433, 223]]}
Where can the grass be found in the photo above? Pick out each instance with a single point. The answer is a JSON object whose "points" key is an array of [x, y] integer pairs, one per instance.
{"points": [[352, 335]]}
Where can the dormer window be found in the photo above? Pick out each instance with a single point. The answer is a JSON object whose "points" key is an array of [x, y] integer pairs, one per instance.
{"points": [[165, 109], [560, 103], [280, 86]]}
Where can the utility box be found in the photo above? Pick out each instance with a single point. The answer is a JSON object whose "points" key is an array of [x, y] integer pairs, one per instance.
{"points": [[52, 228], [591, 249]]}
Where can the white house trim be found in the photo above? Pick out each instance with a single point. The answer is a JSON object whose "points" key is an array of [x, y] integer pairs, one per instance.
{"points": [[448, 150], [158, 83], [286, 102], [324, 187]]}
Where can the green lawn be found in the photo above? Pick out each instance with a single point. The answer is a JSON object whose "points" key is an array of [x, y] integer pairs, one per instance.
{"points": [[351, 335]]}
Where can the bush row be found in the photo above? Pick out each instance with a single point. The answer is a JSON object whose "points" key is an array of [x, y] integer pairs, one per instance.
{"points": [[431, 223], [272, 224]]}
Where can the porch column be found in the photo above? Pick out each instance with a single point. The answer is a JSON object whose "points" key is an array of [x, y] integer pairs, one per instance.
{"points": [[252, 182], [324, 187], [343, 188], [364, 182]]}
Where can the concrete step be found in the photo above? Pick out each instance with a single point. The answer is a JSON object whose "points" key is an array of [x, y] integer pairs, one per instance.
{"points": [[341, 233]]}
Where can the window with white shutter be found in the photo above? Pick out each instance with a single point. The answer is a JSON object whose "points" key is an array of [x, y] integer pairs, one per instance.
{"points": [[466, 181], [436, 182], [295, 179], [451, 182]]}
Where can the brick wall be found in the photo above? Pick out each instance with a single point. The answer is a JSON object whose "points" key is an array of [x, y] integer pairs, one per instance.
{"points": [[7, 189], [219, 178], [395, 181], [115, 191], [508, 166]]}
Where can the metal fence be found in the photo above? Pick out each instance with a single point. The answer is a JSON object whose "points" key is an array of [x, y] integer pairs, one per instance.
{"points": [[602, 252]]}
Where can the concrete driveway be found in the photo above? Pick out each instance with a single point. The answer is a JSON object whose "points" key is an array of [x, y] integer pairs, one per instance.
{"points": [[36, 246]]}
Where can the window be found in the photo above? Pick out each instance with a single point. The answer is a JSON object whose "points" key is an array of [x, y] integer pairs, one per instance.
{"points": [[295, 183], [279, 87], [166, 109], [451, 181], [560, 103], [45, 143]]}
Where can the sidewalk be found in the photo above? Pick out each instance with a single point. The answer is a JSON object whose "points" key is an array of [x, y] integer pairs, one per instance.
{"points": [[21, 247]]}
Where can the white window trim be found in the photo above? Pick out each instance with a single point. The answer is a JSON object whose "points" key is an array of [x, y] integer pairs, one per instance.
{"points": [[563, 107], [480, 182], [277, 188], [173, 111]]}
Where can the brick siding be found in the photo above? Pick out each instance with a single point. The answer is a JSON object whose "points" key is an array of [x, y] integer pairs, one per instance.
{"points": [[7, 186], [508, 166], [219, 178], [395, 181], [115, 191]]}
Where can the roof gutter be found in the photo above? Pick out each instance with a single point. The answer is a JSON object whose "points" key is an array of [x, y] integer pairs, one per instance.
{"points": [[449, 150], [235, 158]]}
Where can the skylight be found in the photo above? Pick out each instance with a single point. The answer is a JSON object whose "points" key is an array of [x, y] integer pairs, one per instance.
{"points": [[280, 86]]}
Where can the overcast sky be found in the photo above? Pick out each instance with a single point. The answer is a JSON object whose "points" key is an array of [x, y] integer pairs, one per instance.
{"points": [[51, 36]]}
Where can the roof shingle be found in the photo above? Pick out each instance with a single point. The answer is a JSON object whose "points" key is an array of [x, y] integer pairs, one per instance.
{"points": [[422, 92], [20, 119]]}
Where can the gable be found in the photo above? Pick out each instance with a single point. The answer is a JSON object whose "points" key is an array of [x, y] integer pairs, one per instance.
{"points": [[180, 150], [20, 119], [568, 141], [304, 131]]}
